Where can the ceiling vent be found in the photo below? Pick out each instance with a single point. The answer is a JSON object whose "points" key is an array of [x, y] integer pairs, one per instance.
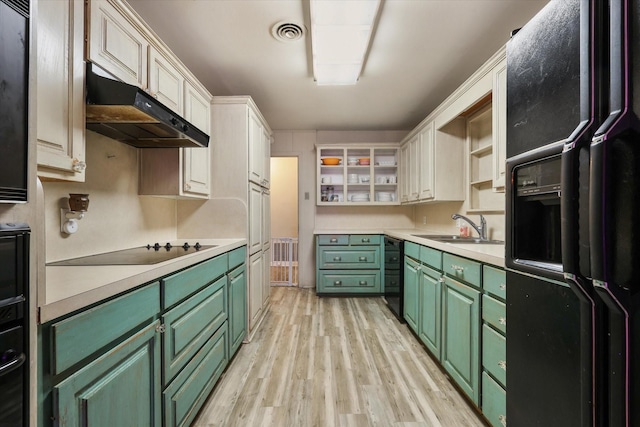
{"points": [[287, 31]]}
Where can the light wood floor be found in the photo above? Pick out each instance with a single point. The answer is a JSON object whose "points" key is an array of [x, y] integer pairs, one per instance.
{"points": [[333, 362]]}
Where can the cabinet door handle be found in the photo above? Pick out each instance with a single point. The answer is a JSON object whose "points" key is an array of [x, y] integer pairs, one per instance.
{"points": [[337, 258], [160, 328], [362, 258], [457, 268], [333, 240], [365, 240], [503, 364], [502, 321], [337, 283], [503, 420], [503, 287], [363, 283]]}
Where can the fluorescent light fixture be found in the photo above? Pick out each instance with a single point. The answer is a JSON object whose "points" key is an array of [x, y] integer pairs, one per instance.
{"points": [[341, 31]]}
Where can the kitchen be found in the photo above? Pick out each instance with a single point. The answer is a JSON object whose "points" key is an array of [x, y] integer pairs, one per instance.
{"points": [[120, 215]]}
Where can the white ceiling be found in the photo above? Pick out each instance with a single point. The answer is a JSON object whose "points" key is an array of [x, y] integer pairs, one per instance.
{"points": [[421, 52]]}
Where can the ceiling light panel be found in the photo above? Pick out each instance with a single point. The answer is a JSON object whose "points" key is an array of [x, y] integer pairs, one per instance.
{"points": [[341, 32]]}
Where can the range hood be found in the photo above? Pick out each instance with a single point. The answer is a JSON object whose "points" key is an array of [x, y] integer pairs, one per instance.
{"points": [[127, 113]]}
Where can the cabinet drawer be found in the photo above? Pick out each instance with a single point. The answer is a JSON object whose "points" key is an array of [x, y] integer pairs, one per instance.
{"points": [[494, 312], [431, 257], [462, 269], [351, 282], [190, 324], [188, 281], [494, 281], [237, 257], [412, 250], [333, 239], [364, 239], [347, 257], [494, 354], [185, 395], [77, 337], [494, 401]]}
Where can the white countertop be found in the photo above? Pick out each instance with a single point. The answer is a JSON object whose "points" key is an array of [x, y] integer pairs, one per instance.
{"points": [[490, 254], [70, 288]]}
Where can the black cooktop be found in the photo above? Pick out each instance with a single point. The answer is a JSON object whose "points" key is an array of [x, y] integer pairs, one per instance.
{"points": [[144, 255]]}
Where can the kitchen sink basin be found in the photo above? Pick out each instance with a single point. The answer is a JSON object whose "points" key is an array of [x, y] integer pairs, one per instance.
{"points": [[448, 238]]}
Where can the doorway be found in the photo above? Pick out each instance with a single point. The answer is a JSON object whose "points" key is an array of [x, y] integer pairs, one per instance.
{"points": [[284, 221]]}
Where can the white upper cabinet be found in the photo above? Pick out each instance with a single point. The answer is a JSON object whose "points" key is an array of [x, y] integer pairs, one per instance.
{"points": [[60, 90], [197, 162], [259, 151], [499, 125], [115, 43], [166, 84], [426, 163]]}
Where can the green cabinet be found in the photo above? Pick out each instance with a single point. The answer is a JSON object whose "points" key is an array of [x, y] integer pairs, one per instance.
{"points": [[237, 283], [120, 388], [411, 292], [149, 357], [422, 294], [460, 335], [349, 264]]}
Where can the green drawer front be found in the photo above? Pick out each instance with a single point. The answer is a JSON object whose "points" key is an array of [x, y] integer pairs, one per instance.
{"points": [[494, 312], [392, 260], [188, 281], [190, 324], [186, 394], [494, 354], [347, 257], [494, 401], [462, 269], [431, 257], [494, 281], [412, 250], [79, 336], [333, 239], [349, 282], [364, 239], [237, 257]]}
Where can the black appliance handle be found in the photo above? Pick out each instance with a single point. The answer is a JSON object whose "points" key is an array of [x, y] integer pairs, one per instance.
{"points": [[568, 211], [13, 364], [597, 212]]}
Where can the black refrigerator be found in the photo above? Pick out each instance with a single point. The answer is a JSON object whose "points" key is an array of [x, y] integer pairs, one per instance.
{"points": [[573, 157]]}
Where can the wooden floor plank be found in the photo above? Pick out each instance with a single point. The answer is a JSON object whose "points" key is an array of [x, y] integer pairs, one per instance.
{"points": [[334, 362]]}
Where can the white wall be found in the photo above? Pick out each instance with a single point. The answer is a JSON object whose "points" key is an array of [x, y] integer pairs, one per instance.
{"points": [[284, 197]]}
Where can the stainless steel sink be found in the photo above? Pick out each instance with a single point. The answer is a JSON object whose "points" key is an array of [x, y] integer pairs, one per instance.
{"points": [[448, 238]]}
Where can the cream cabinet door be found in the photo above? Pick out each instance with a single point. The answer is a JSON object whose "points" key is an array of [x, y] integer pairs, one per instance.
{"points": [[60, 90], [165, 82], [426, 164], [266, 220], [266, 157], [266, 277], [115, 44], [499, 114], [414, 167], [255, 218], [256, 149], [404, 173], [197, 162], [256, 284]]}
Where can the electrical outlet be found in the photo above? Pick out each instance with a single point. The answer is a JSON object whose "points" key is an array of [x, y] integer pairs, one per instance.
{"points": [[424, 219]]}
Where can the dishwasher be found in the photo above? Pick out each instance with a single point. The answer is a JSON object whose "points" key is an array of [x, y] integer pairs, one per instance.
{"points": [[394, 276]]}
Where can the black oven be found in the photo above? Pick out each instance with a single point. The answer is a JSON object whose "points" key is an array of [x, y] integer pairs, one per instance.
{"points": [[14, 324], [394, 276]]}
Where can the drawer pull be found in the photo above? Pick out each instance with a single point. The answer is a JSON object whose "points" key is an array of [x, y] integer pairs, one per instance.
{"points": [[365, 240], [363, 258], [333, 240], [457, 268], [337, 283], [503, 364], [363, 283], [337, 258], [502, 321], [394, 259], [503, 287], [503, 420], [393, 283]]}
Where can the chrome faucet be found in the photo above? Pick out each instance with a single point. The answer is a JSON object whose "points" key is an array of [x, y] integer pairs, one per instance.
{"points": [[482, 229]]}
